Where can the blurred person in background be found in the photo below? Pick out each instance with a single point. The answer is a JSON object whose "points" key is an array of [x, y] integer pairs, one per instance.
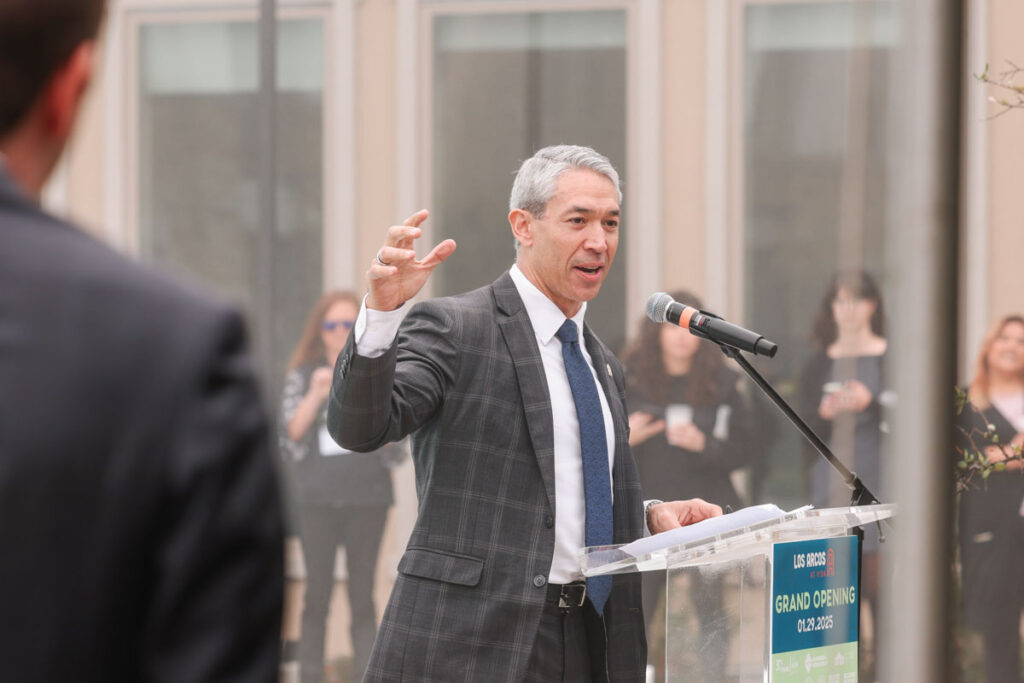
{"points": [[991, 522], [343, 497], [690, 431], [843, 396], [140, 524]]}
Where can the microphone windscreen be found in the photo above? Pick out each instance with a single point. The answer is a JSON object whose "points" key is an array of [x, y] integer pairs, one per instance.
{"points": [[657, 306]]}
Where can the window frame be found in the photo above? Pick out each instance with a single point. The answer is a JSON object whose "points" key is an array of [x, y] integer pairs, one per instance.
{"points": [[725, 248], [121, 119], [414, 64]]}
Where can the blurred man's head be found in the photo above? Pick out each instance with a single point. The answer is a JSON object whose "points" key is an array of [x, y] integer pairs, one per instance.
{"points": [[46, 59]]}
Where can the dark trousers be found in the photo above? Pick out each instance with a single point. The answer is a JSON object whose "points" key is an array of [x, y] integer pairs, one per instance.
{"points": [[324, 528], [570, 645]]}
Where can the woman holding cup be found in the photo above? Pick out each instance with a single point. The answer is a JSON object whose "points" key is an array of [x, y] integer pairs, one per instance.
{"points": [[342, 497], [843, 396], [689, 434], [843, 390]]}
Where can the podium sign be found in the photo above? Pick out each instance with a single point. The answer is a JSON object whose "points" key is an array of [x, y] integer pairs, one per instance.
{"points": [[789, 590], [815, 611]]}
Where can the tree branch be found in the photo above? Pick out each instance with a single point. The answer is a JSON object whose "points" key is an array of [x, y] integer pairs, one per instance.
{"points": [[1012, 95]]}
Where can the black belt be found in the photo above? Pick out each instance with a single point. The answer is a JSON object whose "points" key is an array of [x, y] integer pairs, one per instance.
{"points": [[567, 596]]}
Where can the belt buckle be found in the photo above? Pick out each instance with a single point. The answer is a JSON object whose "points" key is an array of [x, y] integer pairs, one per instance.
{"points": [[562, 604]]}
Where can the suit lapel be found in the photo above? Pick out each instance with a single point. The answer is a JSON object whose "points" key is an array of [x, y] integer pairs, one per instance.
{"points": [[521, 341]]}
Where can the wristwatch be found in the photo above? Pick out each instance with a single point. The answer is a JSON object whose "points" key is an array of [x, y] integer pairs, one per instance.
{"points": [[648, 504]]}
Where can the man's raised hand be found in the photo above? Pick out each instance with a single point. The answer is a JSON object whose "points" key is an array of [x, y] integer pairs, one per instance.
{"points": [[395, 276]]}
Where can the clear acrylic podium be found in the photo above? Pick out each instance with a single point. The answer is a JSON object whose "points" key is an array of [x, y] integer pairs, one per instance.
{"points": [[733, 640]]}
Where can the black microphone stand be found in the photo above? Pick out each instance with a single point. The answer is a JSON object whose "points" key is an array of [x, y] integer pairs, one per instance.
{"points": [[860, 494]]}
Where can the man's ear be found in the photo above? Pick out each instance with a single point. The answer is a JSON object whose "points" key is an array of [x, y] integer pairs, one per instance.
{"points": [[522, 225], [63, 96]]}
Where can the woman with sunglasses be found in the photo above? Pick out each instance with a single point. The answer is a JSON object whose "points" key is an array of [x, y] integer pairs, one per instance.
{"points": [[342, 497]]}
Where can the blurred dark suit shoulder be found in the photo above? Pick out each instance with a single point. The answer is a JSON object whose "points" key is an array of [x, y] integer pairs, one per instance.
{"points": [[140, 521]]}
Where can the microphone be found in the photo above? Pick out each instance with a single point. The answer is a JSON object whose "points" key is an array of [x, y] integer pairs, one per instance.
{"points": [[662, 308]]}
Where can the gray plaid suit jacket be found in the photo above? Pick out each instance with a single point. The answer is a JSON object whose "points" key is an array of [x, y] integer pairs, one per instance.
{"points": [[467, 381]]}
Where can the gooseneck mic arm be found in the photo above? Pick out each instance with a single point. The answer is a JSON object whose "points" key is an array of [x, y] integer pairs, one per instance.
{"points": [[860, 494], [732, 339]]}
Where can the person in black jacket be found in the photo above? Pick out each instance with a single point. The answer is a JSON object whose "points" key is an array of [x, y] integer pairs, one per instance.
{"points": [[991, 520], [343, 497], [843, 389], [690, 430], [843, 397], [141, 533]]}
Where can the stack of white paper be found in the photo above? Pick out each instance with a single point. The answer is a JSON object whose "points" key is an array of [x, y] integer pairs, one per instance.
{"points": [[709, 528]]}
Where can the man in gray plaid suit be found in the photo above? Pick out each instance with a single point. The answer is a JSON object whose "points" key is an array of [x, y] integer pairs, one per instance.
{"points": [[489, 588]]}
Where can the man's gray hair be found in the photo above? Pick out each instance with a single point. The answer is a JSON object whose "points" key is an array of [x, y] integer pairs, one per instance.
{"points": [[538, 176]]}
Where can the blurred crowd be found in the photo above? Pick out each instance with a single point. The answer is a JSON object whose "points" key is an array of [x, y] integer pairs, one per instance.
{"points": [[154, 515], [694, 432]]}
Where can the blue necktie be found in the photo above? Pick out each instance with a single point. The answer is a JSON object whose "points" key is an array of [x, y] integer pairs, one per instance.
{"points": [[597, 487]]}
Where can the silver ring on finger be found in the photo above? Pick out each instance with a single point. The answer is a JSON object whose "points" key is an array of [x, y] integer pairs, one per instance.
{"points": [[380, 260]]}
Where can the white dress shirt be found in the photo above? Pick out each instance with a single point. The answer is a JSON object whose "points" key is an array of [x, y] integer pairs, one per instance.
{"points": [[375, 331]]}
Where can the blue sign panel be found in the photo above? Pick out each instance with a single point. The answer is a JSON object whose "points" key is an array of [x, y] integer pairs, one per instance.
{"points": [[815, 594]]}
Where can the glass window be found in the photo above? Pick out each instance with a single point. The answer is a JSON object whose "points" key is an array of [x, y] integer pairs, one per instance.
{"points": [[816, 131], [198, 166], [505, 85]]}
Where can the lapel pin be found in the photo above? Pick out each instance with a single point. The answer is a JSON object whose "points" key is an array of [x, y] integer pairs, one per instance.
{"points": [[609, 368]]}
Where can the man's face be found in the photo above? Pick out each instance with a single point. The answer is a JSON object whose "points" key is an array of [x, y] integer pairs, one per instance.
{"points": [[566, 252]]}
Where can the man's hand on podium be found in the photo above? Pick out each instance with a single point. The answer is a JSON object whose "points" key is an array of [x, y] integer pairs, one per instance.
{"points": [[677, 513]]}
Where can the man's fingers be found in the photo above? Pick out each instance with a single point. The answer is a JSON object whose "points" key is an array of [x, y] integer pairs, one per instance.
{"points": [[378, 271], [402, 235], [664, 517], [705, 510], [438, 254], [394, 256], [697, 510], [387, 261], [677, 513], [417, 218]]}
